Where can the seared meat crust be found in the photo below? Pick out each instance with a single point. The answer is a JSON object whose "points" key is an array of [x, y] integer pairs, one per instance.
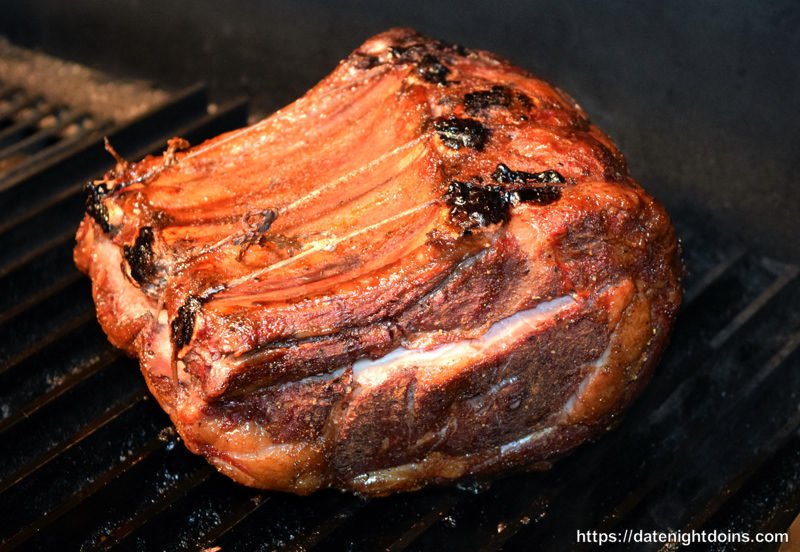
{"points": [[432, 265]]}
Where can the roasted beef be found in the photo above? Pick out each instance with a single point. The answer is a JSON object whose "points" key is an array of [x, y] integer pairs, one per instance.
{"points": [[430, 266]]}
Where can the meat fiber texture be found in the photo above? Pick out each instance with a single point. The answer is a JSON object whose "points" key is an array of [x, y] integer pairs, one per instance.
{"points": [[432, 266]]}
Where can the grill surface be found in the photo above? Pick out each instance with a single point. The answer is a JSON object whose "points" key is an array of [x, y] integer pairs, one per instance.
{"points": [[33, 129], [91, 462]]}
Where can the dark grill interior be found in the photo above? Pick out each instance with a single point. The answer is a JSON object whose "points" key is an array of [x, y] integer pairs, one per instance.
{"points": [[91, 462]]}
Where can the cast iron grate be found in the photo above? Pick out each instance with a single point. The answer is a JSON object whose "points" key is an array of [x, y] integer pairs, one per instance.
{"points": [[33, 129], [90, 461]]}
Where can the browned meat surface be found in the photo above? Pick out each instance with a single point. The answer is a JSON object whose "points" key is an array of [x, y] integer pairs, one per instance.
{"points": [[430, 266]]}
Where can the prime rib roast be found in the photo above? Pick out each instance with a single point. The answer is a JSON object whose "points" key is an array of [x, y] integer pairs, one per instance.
{"points": [[429, 267]]}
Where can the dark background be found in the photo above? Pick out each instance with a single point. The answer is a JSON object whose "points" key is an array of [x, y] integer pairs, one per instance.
{"points": [[702, 97]]}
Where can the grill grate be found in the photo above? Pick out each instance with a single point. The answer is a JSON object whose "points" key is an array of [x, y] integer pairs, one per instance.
{"points": [[91, 462], [31, 129]]}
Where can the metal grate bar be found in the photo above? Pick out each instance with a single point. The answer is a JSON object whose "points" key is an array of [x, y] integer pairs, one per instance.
{"points": [[187, 521], [80, 471], [161, 476], [706, 254], [49, 142], [37, 298], [98, 421], [393, 523], [236, 516], [65, 383], [43, 137], [54, 336], [26, 386], [283, 521], [692, 481], [696, 287], [67, 193], [785, 275], [15, 103], [768, 502], [36, 275], [130, 453], [54, 227], [772, 463], [25, 125], [476, 520], [16, 259], [162, 500], [29, 239], [59, 131], [335, 519], [166, 501], [27, 329]]}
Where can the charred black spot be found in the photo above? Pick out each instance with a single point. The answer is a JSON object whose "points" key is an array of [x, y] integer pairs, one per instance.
{"points": [[410, 53], [94, 204], [452, 47], [524, 100], [430, 69], [504, 175], [461, 133], [183, 324], [364, 61], [497, 96], [472, 206], [140, 256], [541, 193]]}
